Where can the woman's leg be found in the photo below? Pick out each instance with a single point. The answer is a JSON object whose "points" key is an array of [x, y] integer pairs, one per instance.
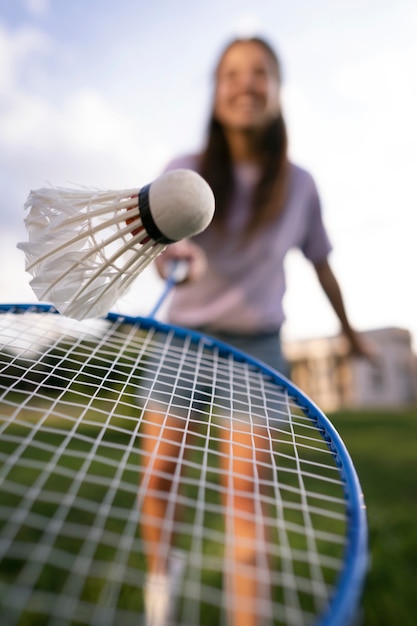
{"points": [[246, 455], [162, 445]]}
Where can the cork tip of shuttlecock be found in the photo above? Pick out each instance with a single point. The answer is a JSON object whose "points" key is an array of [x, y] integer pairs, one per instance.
{"points": [[181, 203]]}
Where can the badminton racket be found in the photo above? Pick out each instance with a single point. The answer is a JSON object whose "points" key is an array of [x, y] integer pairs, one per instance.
{"points": [[86, 247], [152, 475], [177, 271]]}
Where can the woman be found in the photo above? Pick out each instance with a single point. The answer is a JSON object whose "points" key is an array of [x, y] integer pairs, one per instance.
{"points": [[265, 206]]}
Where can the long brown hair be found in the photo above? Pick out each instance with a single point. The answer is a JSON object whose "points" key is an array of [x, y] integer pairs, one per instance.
{"points": [[216, 164]]}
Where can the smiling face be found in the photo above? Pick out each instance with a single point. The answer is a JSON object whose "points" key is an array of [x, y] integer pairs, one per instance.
{"points": [[247, 88]]}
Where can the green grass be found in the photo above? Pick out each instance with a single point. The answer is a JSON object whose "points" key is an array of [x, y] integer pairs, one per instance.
{"points": [[383, 446]]}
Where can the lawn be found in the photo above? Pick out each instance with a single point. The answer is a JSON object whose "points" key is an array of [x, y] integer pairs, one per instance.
{"points": [[383, 446]]}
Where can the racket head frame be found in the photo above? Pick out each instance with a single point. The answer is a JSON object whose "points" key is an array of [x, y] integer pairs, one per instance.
{"points": [[349, 588]]}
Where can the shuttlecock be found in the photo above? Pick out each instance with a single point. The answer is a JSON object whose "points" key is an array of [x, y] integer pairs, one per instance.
{"points": [[86, 247]]}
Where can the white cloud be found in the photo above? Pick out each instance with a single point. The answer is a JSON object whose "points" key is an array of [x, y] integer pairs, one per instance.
{"points": [[37, 7], [76, 136], [248, 24], [18, 51]]}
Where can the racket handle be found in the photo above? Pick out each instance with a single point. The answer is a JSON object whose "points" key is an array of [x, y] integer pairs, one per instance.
{"points": [[177, 272]]}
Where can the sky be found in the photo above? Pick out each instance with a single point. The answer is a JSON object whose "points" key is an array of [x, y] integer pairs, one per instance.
{"points": [[103, 93]]}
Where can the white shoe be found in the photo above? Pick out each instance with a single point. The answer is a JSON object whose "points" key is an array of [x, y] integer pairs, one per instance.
{"points": [[161, 592], [157, 598]]}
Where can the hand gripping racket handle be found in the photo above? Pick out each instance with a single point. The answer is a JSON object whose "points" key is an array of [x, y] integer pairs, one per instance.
{"points": [[177, 272]]}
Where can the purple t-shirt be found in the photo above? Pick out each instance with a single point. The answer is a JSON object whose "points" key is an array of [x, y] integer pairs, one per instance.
{"points": [[243, 288]]}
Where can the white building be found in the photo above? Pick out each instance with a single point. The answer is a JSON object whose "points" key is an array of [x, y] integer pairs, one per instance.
{"points": [[323, 369]]}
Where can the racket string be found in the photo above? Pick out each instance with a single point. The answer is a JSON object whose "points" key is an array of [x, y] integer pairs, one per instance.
{"points": [[76, 400]]}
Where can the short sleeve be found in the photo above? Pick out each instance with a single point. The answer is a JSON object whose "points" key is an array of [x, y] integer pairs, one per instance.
{"points": [[188, 161], [316, 245]]}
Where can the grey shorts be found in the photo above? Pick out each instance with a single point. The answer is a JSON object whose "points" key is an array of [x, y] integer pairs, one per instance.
{"points": [[264, 347], [188, 376]]}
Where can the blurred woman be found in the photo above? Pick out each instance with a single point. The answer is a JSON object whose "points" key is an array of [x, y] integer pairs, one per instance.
{"points": [[265, 206]]}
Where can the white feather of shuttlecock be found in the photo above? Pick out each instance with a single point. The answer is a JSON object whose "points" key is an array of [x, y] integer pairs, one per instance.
{"points": [[81, 253], [86, 247]]}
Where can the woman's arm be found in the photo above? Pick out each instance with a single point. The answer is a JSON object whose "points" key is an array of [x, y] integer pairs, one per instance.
{"points": [[331, 288]]}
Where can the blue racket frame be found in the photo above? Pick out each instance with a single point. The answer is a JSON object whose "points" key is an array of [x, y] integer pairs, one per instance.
{"points": [[344, 604]]}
